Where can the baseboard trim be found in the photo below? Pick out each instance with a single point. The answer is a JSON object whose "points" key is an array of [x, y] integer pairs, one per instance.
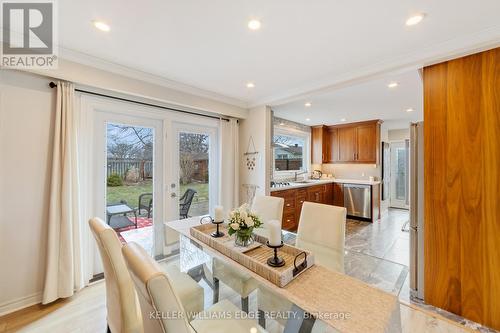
{"points": [[20, 303]]}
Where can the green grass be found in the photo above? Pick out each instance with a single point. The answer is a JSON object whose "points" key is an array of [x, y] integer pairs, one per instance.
{"points": [[130, 193], [201, 189]]}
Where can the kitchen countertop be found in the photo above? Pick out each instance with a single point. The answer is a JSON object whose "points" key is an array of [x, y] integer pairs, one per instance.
{"points": [[312, 182]]}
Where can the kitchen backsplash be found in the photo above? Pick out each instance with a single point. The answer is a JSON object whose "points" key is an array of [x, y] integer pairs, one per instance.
{"points": [[352, 171]]}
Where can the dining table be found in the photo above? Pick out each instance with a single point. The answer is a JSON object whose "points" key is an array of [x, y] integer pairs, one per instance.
{"points": [[323, 298]]}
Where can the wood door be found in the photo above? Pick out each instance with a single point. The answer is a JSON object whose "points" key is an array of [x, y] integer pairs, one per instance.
{"points": [[338, 194], [334, 145], [347, 144], [320, 145], [315, 194], [366, 143], [461, 182]]}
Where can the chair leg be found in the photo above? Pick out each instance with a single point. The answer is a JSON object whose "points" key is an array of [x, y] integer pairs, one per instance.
{"points": [[216, 291], [244, 304], [108, 330], [262, 318]]}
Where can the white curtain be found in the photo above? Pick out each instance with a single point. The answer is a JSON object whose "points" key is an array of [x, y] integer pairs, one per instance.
{"points": [[229, 164], [64, 272]]}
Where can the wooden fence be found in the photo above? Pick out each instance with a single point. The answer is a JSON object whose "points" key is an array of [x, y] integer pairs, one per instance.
{"points": [[120, 167]]}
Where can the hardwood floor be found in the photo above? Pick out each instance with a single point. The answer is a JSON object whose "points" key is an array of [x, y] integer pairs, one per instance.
{"points": [[86, 313]]}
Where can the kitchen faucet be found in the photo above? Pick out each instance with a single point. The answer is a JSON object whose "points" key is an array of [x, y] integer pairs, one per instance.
{"points": [[299, 173]]}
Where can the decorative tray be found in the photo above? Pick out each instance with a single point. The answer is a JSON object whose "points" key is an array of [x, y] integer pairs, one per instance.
{"points": [[255, 256]]}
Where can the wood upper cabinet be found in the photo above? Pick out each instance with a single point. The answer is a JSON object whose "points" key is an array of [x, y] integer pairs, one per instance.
{"points": [[367, 143], [355, 143], [347, 144], [334, 145], [320, 145]]}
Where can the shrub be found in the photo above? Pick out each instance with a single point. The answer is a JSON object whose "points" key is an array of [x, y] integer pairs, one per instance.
{"points": [[114, 179]]}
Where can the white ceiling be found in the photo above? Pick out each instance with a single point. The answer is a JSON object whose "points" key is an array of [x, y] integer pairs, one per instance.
{"points": [[302, 46], [362, 101]]}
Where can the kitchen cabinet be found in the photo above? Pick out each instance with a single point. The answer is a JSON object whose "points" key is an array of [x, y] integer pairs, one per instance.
{"points": [[294, 198], [367, 143], [320, 145], [346, 143], [333, 153], [338, 194], [357, 142]]}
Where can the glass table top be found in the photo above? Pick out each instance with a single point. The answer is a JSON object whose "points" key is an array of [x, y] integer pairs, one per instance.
{"points": [[222, 281]]}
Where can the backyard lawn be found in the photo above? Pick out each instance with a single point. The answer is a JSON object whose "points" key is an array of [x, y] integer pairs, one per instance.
{"points": [[130, 192]]}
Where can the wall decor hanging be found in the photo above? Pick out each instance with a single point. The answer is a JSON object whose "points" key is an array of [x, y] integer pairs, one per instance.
{"points": [[251, 155]]}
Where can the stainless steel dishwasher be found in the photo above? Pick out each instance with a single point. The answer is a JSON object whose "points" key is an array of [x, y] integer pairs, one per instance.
{"points": [[358, 200]]}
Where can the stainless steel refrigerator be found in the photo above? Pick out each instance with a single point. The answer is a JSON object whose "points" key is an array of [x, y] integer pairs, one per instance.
{"points": [[417, 210]]}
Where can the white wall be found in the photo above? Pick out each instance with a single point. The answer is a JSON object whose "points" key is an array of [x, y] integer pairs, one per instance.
{"points": [[258, 125], [26, 110], [96, 78], [399, 134]]}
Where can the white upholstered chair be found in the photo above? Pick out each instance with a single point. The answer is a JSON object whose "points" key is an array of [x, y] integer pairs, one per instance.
{"points": [[267, 208], [157, 295], [123, 311], [322, 231]]}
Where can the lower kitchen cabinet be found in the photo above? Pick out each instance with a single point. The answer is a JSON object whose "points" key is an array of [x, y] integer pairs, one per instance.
{"points": [[294, 198], [338, 194]]}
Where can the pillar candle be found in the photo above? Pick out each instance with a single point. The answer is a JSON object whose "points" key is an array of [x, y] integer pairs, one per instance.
{"points": [[219, 214], [274, 228]]}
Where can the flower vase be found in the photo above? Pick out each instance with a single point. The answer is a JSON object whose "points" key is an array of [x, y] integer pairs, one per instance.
{"points": [[244, 238]]}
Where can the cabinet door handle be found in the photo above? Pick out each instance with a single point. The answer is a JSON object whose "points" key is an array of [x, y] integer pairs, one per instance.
{"points": [[354, 156], [288, 205]]}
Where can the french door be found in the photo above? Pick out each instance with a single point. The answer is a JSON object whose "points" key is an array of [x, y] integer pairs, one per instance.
{"points": [[194, 186], [129, 177], [399, 175]]}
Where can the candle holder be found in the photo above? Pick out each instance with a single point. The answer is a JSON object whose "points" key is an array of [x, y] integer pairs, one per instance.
{"points": [[275, 261], [217, 233]]}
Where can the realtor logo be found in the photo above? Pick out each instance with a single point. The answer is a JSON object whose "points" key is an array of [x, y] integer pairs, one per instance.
{"points": [[28, 34]]}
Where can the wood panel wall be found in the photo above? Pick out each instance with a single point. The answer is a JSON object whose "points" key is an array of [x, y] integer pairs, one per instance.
{"points": [[462, 186]]}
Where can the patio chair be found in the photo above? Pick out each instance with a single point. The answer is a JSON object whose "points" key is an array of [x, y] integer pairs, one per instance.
{"points": [[185, 203], [145, 202]]}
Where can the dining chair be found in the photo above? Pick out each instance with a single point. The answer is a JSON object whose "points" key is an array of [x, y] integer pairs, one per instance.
{"points": [[322, 231], [268, 208], [158, 296], [123, 311]]}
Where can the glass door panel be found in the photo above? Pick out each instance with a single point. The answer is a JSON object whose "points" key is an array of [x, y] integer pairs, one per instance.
{"points": [[196, 163], [399, 175]]}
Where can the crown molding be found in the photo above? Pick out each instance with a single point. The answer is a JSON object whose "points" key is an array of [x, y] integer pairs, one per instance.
{"points": [[450, 49], [91, 61]]}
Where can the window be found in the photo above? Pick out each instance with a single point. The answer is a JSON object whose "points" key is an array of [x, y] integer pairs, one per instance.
{"points": [[290, 150]]}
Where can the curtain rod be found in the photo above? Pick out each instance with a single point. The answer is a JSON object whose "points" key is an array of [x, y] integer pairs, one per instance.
{"points": [[53, 85]]}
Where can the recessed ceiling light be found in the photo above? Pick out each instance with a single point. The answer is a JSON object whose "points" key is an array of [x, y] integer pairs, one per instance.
{"points": [[409, 110], [282, 124], [308, 119], [101, 26], [308, 104], [343, 119], [250, 85], [254, 24], [393, 85], [415, 19]]}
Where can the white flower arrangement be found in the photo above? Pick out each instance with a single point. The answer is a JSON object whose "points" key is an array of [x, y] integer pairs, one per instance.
{"points": [[242, 221]]}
